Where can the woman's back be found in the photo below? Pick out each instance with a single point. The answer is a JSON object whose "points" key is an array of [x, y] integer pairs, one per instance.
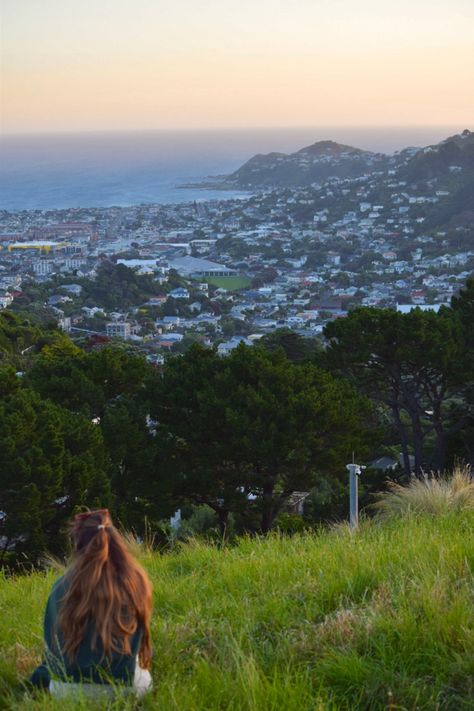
{"points": [[89, 663], [97, 620]]}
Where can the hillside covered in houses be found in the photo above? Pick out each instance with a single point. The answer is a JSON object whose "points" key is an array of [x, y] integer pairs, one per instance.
{"points": [[294, 254]]}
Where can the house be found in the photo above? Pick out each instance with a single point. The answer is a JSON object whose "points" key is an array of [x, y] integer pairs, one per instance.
{"points": [[207, 318], [228, 346], [143, 266], [167, 343], [73, 289], [174, 337], [384, 464], [92, 311], [5, 300], [43, 267], [119, 329], [179, 293], [155, 359], [64, 323], [192, 267], [169, 321], [56, 299], [418, 296], [155, 301], [295, 502]]}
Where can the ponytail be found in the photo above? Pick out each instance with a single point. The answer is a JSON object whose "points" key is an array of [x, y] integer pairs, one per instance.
{"points": [[106, 587]]}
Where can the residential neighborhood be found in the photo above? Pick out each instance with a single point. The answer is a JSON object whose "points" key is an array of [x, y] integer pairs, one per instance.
{"points": [[223, 271]]}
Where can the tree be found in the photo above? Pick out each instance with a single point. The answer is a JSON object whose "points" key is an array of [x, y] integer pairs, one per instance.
{"points": [[463, 307], [59, 374], [117, 286], [253, 424], [51, 463], [411, 363], [86, 382], [16, 334], [297, 348], [135, 453]]}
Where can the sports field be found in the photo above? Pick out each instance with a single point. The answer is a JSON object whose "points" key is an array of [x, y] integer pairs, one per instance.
{"points": [[232, 283]]}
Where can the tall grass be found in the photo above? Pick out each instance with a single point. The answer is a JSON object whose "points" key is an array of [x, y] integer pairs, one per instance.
{"points": [[434, 494], [338, 621]]}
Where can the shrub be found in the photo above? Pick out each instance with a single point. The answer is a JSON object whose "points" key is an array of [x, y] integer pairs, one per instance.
{"points": [[433, 494], [202, 521], [290, 523]]}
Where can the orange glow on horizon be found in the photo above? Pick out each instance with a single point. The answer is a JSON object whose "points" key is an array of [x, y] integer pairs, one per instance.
{"points": [[86, 69]]}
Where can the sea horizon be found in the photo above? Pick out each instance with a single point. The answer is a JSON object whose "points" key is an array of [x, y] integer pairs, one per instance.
{"points": [[54, 171]]}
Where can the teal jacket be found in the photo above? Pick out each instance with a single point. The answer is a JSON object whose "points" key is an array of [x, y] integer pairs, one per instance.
{"points": [[89, 664]]}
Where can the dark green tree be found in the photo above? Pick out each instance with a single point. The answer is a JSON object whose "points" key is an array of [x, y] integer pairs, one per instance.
{"points": [[17, 333], [141, 492], [86, 382], [411, 363], [51, 463], [297, 348], [254, 424], [463, 307], [60, 374]]}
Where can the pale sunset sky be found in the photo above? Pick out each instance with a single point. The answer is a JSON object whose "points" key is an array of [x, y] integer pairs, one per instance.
{"points": [[73, 65]]}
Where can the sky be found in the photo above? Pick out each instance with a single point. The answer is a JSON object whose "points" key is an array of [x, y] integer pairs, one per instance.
{"points": [[69, 65]]}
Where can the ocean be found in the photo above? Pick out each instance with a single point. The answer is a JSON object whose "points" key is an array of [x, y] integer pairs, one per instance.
{"points": [[53, 171]]}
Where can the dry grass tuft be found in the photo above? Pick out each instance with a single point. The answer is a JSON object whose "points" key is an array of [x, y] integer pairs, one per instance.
{"points": [[433, 494]]}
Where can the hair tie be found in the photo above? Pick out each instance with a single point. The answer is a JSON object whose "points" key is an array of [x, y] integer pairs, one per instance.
{"points": [[102, 525]]}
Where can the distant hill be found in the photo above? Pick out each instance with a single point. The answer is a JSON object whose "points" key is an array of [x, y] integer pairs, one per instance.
{"points": [[457, 209], [331, 149], [325, 159], [452, 155], [312, 164]]}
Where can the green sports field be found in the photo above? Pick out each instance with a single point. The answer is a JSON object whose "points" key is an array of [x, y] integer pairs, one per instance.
{"points": [[232, 283]]}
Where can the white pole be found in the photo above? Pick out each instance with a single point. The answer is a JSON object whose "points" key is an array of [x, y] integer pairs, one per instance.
{"points": [[175, 521], [354, 472]]}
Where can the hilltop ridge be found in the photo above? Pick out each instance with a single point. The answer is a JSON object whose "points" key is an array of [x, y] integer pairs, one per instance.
{"points": [[328, 148], [449, 156], [327, 159], [309, 164]]}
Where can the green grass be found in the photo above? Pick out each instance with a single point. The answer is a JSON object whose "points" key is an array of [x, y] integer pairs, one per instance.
{"points": [[380, 619], [231, 283]]}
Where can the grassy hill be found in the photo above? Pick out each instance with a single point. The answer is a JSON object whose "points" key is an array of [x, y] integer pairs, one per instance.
{"points": [[380, 619]]}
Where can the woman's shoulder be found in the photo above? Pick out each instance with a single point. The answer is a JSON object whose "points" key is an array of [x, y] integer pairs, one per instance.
{"points": [[59, 588]]}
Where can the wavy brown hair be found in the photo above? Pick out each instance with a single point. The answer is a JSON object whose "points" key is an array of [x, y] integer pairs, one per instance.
{"points": [[106, 586]]}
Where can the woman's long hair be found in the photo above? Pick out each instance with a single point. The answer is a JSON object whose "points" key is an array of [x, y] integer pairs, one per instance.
{"points": [[106, 587]]}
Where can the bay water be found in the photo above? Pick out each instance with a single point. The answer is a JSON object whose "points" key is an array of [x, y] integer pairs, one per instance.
{"points": [[53, 171]]}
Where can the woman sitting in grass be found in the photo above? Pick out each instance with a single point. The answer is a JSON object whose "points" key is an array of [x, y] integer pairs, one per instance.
{"points": [[97, 621]]}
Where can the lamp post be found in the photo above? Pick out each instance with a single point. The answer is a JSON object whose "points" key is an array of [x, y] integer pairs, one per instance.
{"points": [[354, 473]]}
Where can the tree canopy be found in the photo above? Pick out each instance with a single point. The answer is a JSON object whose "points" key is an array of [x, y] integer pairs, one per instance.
{"points": [[253, 425], [51, 463], [239, 433], [413, 364]]}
